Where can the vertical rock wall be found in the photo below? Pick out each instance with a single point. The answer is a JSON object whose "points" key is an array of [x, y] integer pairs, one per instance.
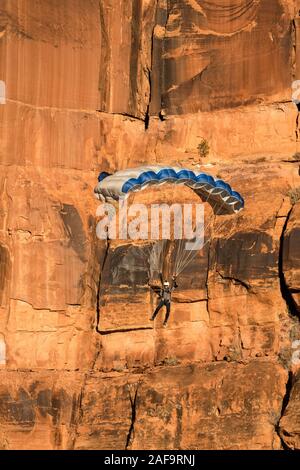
{"points": [[102, 85]]}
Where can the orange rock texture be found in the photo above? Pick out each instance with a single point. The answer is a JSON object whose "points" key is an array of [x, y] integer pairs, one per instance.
{"points": [[95, 85]]}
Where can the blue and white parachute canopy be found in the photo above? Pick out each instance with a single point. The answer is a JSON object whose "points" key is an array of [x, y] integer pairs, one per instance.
{"points": [[123, 182]]}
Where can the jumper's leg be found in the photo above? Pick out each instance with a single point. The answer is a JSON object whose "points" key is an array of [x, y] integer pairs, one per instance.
{"points": [[160, 305], [168, 307]]}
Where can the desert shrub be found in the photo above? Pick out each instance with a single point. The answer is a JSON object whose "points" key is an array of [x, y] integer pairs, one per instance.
{"points": [[171, 361], [203, 148], [294, 195]]}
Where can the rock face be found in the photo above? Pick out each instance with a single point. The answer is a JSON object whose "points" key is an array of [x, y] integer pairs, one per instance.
{"points": [[103, 85], [291, 255], [206, 54], [289, 423]]}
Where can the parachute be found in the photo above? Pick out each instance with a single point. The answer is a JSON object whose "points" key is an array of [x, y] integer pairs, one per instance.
{"points": [[169, 257], [122, 183]]}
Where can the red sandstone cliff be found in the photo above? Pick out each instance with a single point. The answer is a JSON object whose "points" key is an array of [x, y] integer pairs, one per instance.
{"points": [[107, 84]]}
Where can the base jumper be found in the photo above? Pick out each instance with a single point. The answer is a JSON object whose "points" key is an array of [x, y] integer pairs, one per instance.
{"points": [[165, 295]]}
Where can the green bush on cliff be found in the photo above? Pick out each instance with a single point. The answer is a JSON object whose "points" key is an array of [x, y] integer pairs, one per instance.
{"points": [[203, 148], [294, 195]]}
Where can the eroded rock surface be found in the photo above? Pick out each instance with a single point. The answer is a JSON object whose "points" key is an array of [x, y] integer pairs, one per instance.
{"points": [[289, 423]]}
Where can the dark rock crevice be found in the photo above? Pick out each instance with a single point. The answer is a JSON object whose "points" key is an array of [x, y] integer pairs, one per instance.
{"points": [[235, 281], [189, 301], [147, 114], [285, 291], [99, 285], [293, 311], [297, 123], [285, 401], [147, 118], [163, 68], [5, 268], [149, 72], [123, 330], [133, 401], [128, 115]]}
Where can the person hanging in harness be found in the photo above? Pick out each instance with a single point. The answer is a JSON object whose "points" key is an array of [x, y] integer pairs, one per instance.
{"points": [[165, 295]]}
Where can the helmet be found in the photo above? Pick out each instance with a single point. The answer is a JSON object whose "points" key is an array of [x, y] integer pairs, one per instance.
{"points": [[166, 284]]}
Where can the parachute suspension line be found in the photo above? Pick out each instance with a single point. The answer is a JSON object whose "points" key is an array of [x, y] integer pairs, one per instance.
{"points": [[180, 257], [163, 251], [185, 257], [155, 254], [194, 252], [214, 217], [219, 227]]}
